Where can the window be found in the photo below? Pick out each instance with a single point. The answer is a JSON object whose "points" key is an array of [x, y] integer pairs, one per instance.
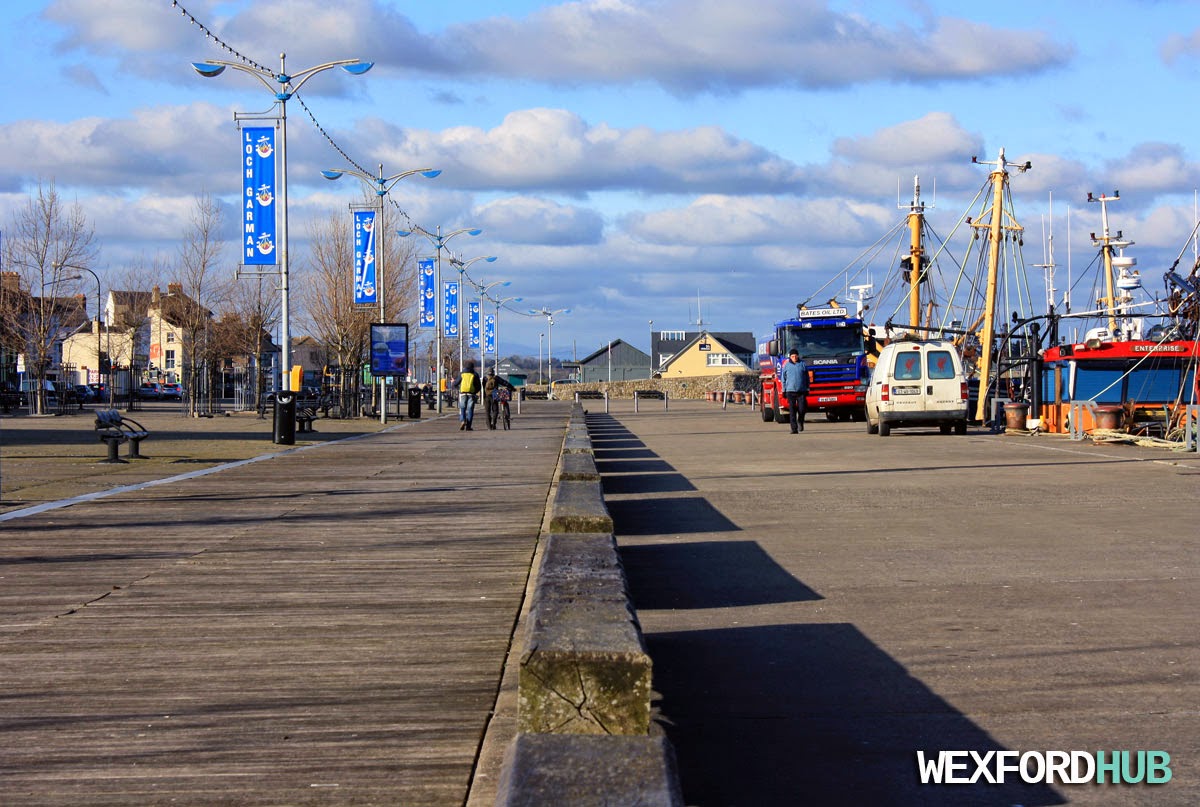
{"points": [[169, 360], [908, 366], [939, 364], [672, 336], [722, 360], [170, 336]]}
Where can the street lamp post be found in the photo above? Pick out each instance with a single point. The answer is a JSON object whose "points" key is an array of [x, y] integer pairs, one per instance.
{"points": [[288, 85], [99, 307], [496, 326], [651, 350], [439, 242], [483, 290], [382, 186], [549, 315], [461, 266]]}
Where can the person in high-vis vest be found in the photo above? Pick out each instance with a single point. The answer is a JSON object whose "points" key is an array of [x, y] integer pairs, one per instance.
{"points": [[468, 390]]}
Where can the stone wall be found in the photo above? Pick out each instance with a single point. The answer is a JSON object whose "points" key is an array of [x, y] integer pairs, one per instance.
{"points": [[697, 387]]}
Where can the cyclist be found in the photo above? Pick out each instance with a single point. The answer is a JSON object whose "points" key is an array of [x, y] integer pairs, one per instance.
{"points": [[497, 392]]}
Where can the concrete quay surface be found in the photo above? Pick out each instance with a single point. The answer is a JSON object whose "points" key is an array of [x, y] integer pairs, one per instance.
{"points": [[819, 607], [332, 625]]}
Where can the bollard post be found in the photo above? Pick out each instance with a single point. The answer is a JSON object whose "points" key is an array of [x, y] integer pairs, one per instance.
{"points": [[666, 395], [606, 402], [635, 402]]}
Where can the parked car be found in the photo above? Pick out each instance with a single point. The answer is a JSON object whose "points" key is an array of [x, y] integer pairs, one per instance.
{"points": [[84, 393], [172, 391], [150, 390], [29, 387], [100, 390]]}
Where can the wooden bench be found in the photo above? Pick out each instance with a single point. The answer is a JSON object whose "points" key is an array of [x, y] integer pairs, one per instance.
{"points": [[113, 428]]}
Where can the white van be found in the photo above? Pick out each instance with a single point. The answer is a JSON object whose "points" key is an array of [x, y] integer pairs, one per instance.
{"points": [[917, 383]]}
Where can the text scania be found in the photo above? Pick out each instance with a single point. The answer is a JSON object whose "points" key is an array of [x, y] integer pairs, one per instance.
{"points": [[1049, 767]]}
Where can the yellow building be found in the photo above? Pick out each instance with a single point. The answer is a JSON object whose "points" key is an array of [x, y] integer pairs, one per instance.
{"points": [[707, 355]]}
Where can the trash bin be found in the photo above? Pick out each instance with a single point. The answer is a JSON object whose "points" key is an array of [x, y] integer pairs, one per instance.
{"points": [[1015, 415], [414, 403], [285, 418]]}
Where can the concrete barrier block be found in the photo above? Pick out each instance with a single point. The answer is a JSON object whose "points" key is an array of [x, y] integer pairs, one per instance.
{"points": [[579, 466], [554, 770], [578, 506], [584, 669], [578, 553], [565, 688], [577, 443]]}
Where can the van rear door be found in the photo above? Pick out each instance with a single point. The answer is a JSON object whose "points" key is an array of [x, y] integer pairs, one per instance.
{"points": [[943, 385], [907, 381]]}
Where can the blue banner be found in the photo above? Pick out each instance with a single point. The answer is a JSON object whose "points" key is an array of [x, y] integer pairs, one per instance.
{"points": [[450, 330], [258, 192], [427, 293], [489, 333], [365, 291], [473, 319]]}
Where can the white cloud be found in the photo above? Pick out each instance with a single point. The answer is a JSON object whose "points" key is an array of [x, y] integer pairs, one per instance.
{"points": [[526, 220], [1153, 168], [1177, 46], [555, 149], [690, 46], [753, 221]]}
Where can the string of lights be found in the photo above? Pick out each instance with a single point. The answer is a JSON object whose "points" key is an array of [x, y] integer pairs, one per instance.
{"points": [[212, 37], [208, 34]]}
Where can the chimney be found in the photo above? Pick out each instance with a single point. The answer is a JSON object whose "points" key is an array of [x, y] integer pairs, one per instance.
{"points": [[174, 289], [155, 297], [10, 281]]}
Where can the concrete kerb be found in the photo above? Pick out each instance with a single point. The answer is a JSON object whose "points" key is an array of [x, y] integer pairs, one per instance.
{"points": [[585, 770], [584, 677]]}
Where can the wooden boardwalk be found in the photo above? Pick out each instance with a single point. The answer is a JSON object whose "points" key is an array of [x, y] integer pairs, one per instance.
{"points": [[325, 627]]}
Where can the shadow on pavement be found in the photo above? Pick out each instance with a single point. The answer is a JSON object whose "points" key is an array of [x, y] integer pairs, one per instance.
{"points": [[680, 575], [671, 516], [647, 483], [632, 466], [809, 714]]}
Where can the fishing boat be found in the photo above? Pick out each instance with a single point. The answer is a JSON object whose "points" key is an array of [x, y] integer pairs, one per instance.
{"points": [[1129, 364]]}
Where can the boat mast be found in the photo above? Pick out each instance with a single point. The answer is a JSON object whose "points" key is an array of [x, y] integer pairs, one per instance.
{"points": [[916, 226], [996, 233], [1106, 243]]}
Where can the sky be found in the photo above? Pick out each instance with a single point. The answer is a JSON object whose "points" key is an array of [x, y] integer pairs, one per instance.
{"points": [[673, 162]]}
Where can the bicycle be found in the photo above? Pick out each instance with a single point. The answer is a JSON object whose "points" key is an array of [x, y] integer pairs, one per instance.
{"points": [[500, 411]]}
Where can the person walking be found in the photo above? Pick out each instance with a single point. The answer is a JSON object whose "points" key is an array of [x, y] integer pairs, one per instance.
{"points": [[468, 389], [492, 386], [795, 389]]}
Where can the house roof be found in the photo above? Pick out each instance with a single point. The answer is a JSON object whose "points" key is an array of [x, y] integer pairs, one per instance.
{"points": [[727, 348], [602, 351]]}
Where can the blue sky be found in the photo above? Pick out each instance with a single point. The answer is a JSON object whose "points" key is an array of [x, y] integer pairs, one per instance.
{"points": [[625, 157]]}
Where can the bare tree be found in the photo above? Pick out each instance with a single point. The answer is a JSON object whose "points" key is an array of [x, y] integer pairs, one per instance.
{"points": [[327, 295], [328, 303], [204, 291], [254, 305], [46, 238]]}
